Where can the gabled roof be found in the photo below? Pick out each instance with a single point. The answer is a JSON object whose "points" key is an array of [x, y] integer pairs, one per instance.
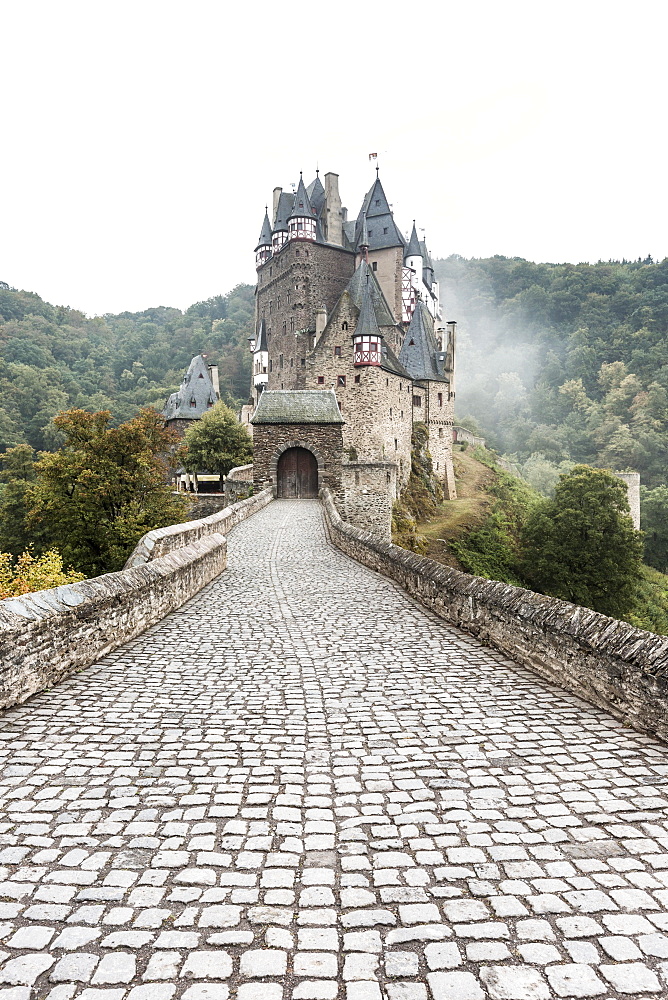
{"points": [[297, 406], [419, 352], [364, 277], [283, 209], [413, 249], [265, 233], [261, 338], [302, 206], [382, 229], [196, 393]]}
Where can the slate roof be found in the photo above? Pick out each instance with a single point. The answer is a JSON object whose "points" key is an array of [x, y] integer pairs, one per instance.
{"points": [[261, 338], [414, 249], [379, 219], [196, 393], [302, 206], [297, 406], [283, 209], [265, 233], [419, 353], [364, 276], [316, 195]]}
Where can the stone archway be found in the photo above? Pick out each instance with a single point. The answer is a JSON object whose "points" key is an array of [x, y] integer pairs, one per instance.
{"points": [[297, 474]]}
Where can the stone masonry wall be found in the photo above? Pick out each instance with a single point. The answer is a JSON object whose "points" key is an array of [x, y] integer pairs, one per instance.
{"points": [[324, 440], [46, 635], [367, 493], [615, 666]]}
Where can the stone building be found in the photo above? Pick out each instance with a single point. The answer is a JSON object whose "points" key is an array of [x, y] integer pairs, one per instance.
{"points": [[349, 309], [198, 392]]}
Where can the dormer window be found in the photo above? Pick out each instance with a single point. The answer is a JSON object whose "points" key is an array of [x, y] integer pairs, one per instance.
{"points": [[193, 402]]}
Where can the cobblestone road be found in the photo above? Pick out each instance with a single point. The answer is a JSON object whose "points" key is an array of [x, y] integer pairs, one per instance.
{"points": [[302, 786]]}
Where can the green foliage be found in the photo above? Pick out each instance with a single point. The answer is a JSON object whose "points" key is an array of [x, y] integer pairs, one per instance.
{"points": [[217, 442], [54, 359], [493, 549], [651, 607], [566, 361], [654, 521], [104, 488], [421, 496], [582, 546], [29, 573]]}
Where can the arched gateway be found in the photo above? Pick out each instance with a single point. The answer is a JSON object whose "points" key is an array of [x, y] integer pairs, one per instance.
{"points": [[297, 475]]}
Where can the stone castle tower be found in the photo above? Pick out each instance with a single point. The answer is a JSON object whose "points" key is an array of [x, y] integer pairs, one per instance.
{"points": [[350, 307]]}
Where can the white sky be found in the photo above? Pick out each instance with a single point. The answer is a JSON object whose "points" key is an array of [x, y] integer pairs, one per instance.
{"points": [[140, 139]]}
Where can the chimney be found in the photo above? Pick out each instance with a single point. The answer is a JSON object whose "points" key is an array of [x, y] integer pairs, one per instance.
{"points": [[333, 207], [320, 321], [213, 375], [277, 194]]}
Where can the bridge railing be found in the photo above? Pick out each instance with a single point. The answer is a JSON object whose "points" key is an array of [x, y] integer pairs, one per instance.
{"points": [[46, 635], [609, 663]]}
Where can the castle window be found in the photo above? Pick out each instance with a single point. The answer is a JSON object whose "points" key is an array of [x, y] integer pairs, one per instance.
{"points": [[280, 361], [411, 343], [303, 362], [278, 302], [337, 352], [292, 324], [292, 362], [396, 445], [270, 272], [374, 265], [440, 432], [341, 380], [417, 400], [271, 364], [344, 325], [264, 371], [321, 379], [378, 201], [385, 230], [387, 382], [440, 399], [371, 232], [284, 326], [390, 411], [357, 378], [402, 414], [270, 305], [296, 251], [287, 298]]}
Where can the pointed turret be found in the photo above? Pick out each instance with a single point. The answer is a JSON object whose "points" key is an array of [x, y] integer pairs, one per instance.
{"points": [[301, 222], [263, 248], [420, 354], [367, 339], [280, 228], [413, 249]]}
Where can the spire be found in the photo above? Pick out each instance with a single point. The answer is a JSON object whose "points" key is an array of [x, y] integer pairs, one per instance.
{"points": [[367, 323], [265, 232], [413, 249], [302, 206], [382, 229]]}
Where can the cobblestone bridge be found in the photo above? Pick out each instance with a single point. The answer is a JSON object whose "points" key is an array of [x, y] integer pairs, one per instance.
{"points": [[302, 786]]}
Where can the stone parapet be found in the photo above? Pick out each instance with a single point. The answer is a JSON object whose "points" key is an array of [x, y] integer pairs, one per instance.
{"points": [[46, 635], [609, 663], [163, 540]]}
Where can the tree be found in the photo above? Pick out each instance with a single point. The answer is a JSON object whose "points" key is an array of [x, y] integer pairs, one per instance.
{"points": [[18, 472], [582, 546], [217, 442], [29, 573], [104, 488], [654, 521]]}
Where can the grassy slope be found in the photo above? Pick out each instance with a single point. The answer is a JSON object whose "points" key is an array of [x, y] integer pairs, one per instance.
{"points": [[477, 533]]}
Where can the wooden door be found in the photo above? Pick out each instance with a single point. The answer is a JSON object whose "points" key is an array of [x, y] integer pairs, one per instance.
{"points": [[297, 475]]}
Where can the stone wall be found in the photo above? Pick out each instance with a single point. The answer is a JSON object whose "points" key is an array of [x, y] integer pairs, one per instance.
{"points": [[46, 635], [163, 540], [632, 480], [239, 482], [323, 440], [367, 493], [615, 666]]}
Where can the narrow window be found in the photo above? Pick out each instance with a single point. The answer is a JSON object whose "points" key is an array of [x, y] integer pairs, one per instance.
{"points": [[357, 378], [303, 362], [387, 381], [344, 325], [341, 380], [440, 432], [321, 379], [396, 445], [402, 414], [417, 400], [292, 362], [271, 364], [390, 411], [280, 361], [374, 265], [337, 352], [385, 231], [440, 399]]}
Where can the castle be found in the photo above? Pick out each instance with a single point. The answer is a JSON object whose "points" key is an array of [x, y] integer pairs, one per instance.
{"points": [[350, 352]]}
